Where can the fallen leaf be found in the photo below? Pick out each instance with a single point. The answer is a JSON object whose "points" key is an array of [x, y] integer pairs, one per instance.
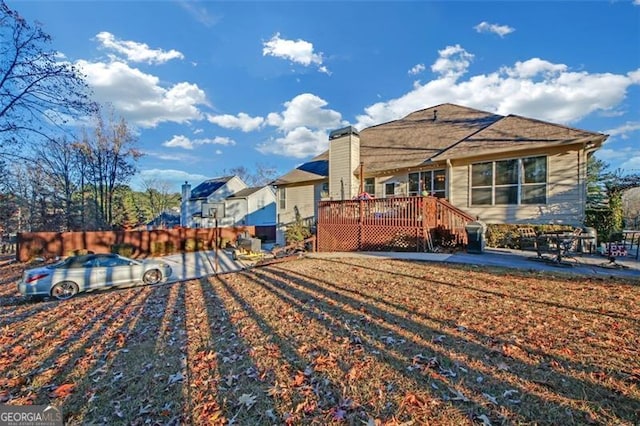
{"points": [[485, 420], [247, 400], [502, 366], [492, 399], [508, 393], [459, 396], [63, 391], [145, 410], [174, 378]]}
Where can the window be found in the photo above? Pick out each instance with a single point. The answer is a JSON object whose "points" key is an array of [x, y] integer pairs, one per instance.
{"points": [[389, 189], [283, 198], [515, 181], [432, 182], [370, 186]]}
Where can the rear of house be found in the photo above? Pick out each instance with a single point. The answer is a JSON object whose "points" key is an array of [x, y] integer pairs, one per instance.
{"points": [[500, 169]]}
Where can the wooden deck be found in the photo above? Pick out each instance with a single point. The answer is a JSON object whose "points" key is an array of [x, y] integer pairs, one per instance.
{"points": [[390, 224]]}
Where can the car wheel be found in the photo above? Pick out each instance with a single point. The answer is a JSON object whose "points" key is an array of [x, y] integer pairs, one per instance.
{"points": [[152, 276], [64, 290]]}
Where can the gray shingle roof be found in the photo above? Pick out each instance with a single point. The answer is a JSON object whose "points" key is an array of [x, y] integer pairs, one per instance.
{"points": [[243, 193], [208, 187], [443, 132]]}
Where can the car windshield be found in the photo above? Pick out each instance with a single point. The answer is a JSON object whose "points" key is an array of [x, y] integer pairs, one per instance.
{"points": [[59, 264]]}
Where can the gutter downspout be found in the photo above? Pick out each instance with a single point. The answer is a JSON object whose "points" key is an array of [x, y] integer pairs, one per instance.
{"points": [[447, 194]]}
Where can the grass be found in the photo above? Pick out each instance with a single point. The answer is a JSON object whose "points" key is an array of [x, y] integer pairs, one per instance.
{"points": [[332, 341]]}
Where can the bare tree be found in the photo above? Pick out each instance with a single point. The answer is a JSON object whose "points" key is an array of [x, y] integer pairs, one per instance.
{"points": [[109, 155], [38, 93], [159, 196], [59, 163], [260, 176]]}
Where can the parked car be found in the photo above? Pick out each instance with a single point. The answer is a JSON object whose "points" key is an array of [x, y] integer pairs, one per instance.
{"points": [[65, 279]]}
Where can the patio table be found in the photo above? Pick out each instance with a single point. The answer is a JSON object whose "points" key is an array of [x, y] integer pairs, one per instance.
{"points": [[564, 243]]}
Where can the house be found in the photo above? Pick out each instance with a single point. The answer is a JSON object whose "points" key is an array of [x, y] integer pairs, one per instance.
{"points": [[227, 201], [501, 169], [167, 219]]}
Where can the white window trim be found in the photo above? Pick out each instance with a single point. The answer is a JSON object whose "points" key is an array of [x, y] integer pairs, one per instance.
{"points": [[520, 183]]}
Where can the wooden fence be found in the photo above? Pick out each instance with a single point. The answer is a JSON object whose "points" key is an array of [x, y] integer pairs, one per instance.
{"points": [[140, 243], [390, 224]]}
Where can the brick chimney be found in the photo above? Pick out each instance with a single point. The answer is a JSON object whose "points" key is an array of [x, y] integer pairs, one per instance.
{"points": [[344, 160]]}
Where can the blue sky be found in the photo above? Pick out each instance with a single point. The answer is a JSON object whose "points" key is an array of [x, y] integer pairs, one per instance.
{"points": [[209, 85]]}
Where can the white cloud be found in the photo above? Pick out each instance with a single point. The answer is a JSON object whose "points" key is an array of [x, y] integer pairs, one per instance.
{"points": [[501, 30], [305, 110], [300, 142], [181, 141], [242, 121], [534, 88], [199, 13], [304, 124], [297, 51], [417, 69], [636, 2], [624, 130], [137, 52], [632, 164], [175, 178], [627, 158], [453, 61], [140, 97], [534, 67]]}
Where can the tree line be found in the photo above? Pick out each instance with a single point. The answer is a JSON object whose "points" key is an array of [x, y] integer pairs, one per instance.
{"points": [[57, 175]]}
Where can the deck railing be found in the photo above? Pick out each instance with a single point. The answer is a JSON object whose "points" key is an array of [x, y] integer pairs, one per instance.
{"points": [[398, 223]]}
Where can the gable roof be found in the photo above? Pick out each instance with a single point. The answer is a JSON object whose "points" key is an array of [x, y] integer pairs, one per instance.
{"points": [[315, 169], [208, 187], [443, 132], [414, 139], [513, 133], [167, 218], [244, 193]]}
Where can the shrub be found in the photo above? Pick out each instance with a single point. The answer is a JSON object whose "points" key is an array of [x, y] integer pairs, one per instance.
{"points": [[193, 244], [79, 252], [158, 247], [508, 235], [125, 250], [297, 231], [190, 244]]}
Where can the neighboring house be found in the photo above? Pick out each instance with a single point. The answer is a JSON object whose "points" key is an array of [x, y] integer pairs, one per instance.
{"points": [[168, 219], [227, 201], [253, 206], [501, 169]]}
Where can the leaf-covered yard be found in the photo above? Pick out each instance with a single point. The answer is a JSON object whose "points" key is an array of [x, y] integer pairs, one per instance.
{"points": [[331, 341]]}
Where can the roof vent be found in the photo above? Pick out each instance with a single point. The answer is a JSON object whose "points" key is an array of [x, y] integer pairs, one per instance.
{"points": [[345, 131], [435, 114]]}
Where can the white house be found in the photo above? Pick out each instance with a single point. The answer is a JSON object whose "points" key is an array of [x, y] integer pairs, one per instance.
{"points": [[229, 202]]}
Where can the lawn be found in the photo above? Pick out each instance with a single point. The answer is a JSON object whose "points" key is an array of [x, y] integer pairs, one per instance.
{"points": [[331, 341]]}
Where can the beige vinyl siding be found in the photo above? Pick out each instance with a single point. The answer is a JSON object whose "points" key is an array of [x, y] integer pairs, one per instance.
{"points": [[344, 159], [305, 197], [565, 192]]}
